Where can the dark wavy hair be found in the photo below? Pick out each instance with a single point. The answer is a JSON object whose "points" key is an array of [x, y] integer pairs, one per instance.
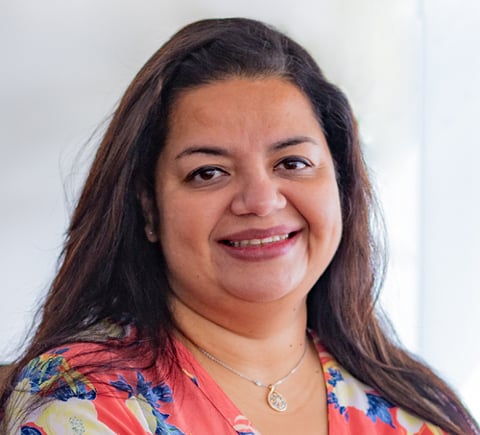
{"points": [[108, 268]]}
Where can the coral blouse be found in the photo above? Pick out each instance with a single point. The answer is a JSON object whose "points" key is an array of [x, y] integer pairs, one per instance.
{"points": [[188, 401]]}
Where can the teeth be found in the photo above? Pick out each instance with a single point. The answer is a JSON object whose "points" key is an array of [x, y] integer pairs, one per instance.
{"points": [[258, 242]]}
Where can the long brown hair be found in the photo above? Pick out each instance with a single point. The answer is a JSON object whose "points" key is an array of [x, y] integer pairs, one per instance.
{"points": [[108, 269]]}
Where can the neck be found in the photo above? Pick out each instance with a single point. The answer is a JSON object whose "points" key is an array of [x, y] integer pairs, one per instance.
{"points": [[265, 344]]}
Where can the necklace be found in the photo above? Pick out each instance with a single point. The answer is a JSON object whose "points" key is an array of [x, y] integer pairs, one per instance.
{"points": [[275, 400]]}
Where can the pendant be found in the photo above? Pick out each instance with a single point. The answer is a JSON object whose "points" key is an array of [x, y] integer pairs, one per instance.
{"points": [[275, 400]]}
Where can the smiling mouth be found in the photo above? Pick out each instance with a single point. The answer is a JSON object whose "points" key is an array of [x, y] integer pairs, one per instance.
{"points": [[258, 242]]}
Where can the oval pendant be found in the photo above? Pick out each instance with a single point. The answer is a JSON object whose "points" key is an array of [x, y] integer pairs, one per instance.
{"points": [[275, 400]]}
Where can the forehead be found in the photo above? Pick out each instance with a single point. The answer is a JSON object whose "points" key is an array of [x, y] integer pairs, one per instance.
{"points": [[238, 105]]}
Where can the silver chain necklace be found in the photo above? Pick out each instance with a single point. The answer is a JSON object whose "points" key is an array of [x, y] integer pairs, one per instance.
{"points": [[275, 400]]}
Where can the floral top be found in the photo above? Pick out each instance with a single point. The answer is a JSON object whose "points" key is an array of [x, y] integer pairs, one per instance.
{"points": [[188, 401]]}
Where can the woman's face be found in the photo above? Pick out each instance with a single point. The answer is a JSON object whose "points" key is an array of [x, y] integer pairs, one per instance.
{"points": [[248, 203]]}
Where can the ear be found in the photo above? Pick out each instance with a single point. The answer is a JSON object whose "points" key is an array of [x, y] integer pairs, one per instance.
{"points": [[149, 210]]}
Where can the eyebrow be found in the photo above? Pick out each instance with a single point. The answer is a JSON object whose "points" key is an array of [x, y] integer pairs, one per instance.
{"points": [[219, 151]]}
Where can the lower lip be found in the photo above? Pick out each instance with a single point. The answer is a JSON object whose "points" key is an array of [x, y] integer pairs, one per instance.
{"points": [[262, 252]]}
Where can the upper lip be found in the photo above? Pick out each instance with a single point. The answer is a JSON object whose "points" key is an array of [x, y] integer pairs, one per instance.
{"points": [[257, 233]]}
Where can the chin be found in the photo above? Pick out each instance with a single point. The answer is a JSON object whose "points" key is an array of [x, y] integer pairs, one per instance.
{"points": [[266, 293]]}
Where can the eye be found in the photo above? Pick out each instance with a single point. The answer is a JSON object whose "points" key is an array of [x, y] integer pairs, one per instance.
{"points": [[293, 163], [205, 174]]}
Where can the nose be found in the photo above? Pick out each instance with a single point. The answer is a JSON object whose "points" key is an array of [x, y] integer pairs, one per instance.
{"points": [[258, 195]]}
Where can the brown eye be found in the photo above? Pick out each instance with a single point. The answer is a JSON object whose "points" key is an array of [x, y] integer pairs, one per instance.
{"points": [[293, 163], [205, 174]]}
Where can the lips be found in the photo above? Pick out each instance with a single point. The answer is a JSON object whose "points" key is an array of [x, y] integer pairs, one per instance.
{"points": [[260, 244], [257, 242], [254, 238]]}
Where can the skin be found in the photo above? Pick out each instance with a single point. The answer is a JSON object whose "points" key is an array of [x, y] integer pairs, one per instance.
{"points": [[246, 160]]}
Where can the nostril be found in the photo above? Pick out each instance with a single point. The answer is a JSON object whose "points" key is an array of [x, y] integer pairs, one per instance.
{"points": [[258, 197]]}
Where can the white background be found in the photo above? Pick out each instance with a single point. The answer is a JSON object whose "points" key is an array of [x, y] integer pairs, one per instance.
{"points": [[411, 69]]}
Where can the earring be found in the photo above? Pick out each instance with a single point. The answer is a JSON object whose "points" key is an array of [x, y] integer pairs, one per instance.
{"points": [[151, 235]]}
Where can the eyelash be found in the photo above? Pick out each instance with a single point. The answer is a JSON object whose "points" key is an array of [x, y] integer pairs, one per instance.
{"points": [[191, 177], [294, 159], [216, 172]]}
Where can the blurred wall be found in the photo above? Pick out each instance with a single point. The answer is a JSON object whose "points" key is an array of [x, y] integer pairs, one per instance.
{"points": [[450, 200], [412, 85]]}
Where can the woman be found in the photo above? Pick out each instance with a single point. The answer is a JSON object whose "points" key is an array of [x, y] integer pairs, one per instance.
{"points": [[220, 270]]}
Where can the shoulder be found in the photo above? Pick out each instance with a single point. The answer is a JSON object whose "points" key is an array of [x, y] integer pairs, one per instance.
{"points": [[351, 403], [72, 369], [76, 389], [55, 374], [63, 370]]}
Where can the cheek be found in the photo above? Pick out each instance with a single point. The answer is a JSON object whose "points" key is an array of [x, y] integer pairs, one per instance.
{"points": [[322, 207], [177, 244], [185, 225], [174, 223], [324, 217], [333, 211], [333, 216]]}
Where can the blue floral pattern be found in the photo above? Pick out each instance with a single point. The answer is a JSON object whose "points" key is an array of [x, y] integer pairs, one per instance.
{"points": [[154, 396], [52, 377], [354, 405], [379, 408], [187, 402]]}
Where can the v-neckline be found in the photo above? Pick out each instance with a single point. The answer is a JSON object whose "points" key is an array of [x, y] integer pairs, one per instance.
{"points": [[217, 396]]}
